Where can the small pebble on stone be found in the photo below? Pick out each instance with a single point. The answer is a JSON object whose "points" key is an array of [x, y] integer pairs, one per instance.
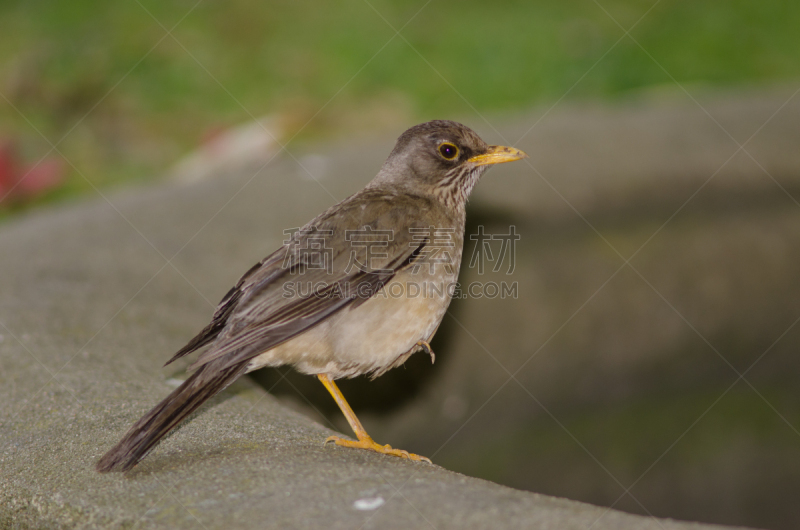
{"points": [[368, 503]]}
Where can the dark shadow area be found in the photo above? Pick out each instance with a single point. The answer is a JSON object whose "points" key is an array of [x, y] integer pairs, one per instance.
{"points": [[383, 395]]}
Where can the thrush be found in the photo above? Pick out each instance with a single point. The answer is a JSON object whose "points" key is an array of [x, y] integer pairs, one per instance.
{"points": [[357, 290]]}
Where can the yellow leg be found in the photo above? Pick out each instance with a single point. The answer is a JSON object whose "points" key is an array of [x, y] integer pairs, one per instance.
{"points": [[364, 439]]}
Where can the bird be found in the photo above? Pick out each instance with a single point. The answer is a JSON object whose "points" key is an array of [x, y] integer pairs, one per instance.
{"points": [[355, 291]]}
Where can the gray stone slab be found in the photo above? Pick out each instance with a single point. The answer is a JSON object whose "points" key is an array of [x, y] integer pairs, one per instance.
{"points": [[89, 310], [95, 297]]}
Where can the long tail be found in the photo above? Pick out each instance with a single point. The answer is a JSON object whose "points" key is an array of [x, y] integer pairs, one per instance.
{"points": [[145, 433]]}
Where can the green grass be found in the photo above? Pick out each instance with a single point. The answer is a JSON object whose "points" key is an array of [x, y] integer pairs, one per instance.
{"points": [[291, 59]]}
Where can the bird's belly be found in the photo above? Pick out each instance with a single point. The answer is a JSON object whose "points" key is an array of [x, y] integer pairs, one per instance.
{"points": [[370, 338]]}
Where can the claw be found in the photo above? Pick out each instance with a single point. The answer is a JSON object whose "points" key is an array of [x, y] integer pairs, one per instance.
{"points": [[427, 349], [369, 444]]}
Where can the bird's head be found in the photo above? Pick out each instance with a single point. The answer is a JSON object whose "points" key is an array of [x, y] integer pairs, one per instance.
{"points": [[441, 158]]}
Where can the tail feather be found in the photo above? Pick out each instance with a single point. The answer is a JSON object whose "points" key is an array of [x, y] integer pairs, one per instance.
{"points": [[207, 335], [217, 324], [146, 433]]}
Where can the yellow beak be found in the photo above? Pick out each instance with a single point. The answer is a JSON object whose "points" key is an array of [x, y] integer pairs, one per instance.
{"points": [[497, 154]]}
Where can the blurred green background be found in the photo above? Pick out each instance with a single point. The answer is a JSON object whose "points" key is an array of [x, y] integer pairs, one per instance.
{"points": [[122, 99]]}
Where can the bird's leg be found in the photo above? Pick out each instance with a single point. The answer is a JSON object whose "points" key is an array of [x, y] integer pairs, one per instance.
{"points": [[427, 349], [364, 439]]}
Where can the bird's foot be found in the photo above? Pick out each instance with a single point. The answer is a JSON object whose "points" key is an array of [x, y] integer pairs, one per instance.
{"points": [[369, 443], [427, 349]]}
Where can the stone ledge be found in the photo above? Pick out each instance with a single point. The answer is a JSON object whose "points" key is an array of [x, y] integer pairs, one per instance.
{"points": [[89, 310]]}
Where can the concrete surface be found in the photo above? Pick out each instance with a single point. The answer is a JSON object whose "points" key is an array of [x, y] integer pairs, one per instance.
{"points": [[95, 297]]}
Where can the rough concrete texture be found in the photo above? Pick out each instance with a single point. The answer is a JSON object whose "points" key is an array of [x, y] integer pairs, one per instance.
{"points": [[95, 297]]}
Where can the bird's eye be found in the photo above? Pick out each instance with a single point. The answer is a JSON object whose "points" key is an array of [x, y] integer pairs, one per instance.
{"points": [[448, 151]]}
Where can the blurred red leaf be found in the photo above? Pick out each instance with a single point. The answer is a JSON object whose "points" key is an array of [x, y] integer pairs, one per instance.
{"points": [[19, 182], [42, 177]]}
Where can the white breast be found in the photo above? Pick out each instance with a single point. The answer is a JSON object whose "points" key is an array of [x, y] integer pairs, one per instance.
{"points": [[371, 337]]}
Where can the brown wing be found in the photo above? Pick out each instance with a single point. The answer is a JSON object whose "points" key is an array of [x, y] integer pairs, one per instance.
{"points": [[341, 258]]}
